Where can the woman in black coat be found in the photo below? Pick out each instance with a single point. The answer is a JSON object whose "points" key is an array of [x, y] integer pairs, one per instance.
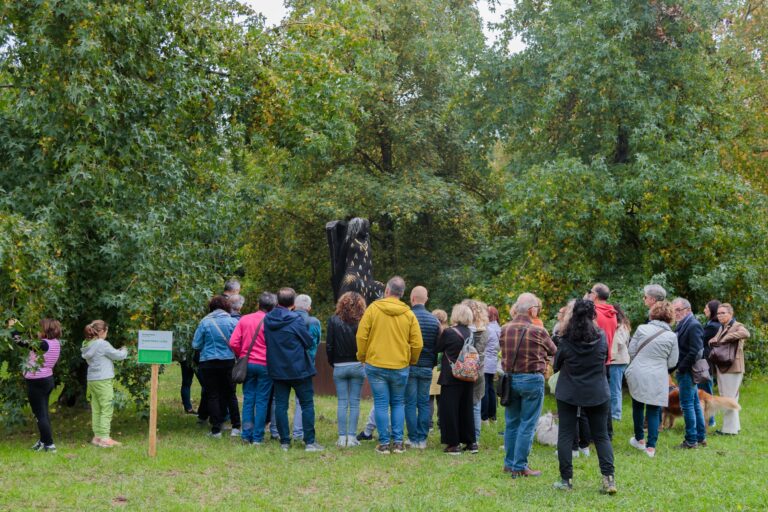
{"points": [[581, 357], [457, 423]]}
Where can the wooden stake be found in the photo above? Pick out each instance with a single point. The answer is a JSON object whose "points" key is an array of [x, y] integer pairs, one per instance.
{"points": [[153, 410]]}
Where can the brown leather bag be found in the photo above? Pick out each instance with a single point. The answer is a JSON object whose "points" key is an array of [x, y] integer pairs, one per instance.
{"points": [[724, 355]]}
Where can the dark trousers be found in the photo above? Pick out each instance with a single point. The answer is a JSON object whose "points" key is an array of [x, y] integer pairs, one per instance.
{"points": [[220, 392], [457, 418], [488, 404], [609, 421], [188, 373], [582, 438], [39, 393], [597, 423], [306, 394]]}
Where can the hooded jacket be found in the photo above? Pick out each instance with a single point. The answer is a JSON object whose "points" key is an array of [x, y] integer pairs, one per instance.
{"points": [[288, 345], [582, 380], [389, 335], [606, 320], [99, 355]]}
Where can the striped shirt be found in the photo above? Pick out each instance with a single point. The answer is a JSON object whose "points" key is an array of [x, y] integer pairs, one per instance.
{"points": [[536, 347], [51, 350]]}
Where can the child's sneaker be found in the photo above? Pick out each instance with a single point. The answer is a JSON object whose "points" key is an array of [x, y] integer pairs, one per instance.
{"points": [[235, 432], [108, 442], [217, 435], [342, 441], [37, 446], [96, 441], [640, 445], [651, 452], [563, 485], [50, 448], [352, 441], [314, 447], [584, 451]]}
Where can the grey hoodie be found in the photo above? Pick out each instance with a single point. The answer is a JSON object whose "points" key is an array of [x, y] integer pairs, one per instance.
{"points": [[99, 355]]}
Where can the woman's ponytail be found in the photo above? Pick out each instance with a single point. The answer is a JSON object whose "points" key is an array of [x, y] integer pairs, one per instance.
{"points": [[93, 329]]}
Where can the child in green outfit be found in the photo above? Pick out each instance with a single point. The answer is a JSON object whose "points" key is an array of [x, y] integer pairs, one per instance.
{"points": [[99, 354]]}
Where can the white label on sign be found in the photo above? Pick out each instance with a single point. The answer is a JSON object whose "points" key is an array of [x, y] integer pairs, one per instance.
{"points": [[156, 340]]}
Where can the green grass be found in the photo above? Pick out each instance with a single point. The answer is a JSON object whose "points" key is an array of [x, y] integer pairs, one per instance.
{"points": [[192, 472]]}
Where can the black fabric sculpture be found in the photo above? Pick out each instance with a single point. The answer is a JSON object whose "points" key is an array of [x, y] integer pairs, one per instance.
{"points": [[351, 259]]}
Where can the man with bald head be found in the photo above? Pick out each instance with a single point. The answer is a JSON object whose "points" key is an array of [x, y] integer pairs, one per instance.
{"points": [[417, 412], [525, 350]]}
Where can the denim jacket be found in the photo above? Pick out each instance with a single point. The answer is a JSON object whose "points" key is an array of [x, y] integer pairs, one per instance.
{"points": [[213, 343]]}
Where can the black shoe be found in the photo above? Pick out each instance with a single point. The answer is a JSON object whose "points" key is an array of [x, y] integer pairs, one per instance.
{"points": [[687, 446], [471, 448], [721, 433], [362, 436], [452, 450]]}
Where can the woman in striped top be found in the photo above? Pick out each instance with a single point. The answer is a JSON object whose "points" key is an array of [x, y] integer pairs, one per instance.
{"points": [[39, 376]]}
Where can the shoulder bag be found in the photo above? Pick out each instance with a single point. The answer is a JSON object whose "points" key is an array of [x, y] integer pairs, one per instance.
{"points": [[240, 370]]}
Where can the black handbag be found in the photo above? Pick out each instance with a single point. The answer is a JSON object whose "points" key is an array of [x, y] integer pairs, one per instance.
{"points": [[240, 370]]}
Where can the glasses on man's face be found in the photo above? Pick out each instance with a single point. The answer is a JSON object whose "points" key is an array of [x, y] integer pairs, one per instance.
{"points": [[722, 313], [680, 310]]}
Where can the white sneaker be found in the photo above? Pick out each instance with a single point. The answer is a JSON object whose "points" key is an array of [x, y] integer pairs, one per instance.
{"points": [[217, 435], [314, 447], [422, 445], [640, 445], [352, 441], [575, 454], [235, 432], [584, 451], [408, 443], [651, 452], [226, 426], [342, 441]]}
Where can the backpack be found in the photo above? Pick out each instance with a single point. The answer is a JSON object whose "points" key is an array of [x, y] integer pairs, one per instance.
{"points": [[467, 365]]}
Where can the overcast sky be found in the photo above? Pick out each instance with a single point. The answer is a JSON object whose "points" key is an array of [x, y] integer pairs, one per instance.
{"points": [[274, 11]]}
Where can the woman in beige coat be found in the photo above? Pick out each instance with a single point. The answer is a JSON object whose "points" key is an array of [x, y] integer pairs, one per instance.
{"points": [[729, 379]]}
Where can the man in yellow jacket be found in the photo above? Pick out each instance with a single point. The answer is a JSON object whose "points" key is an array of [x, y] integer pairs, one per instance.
{"points": [[388, 343]]}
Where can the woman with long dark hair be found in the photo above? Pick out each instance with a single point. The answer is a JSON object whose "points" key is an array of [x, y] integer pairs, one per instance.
{"points": [[580, 359]]}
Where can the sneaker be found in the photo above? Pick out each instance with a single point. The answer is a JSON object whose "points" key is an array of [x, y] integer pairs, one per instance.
{"points": [[408, 443], [574, 454], [471, 448], [50, 448], [640, 445], [37, 446], [217, 435], [421, 445], [96, 441], [452, 450], [563, 485], [226, 426], [398, 448], [651, 452], [235, 432], [685, 445], [342, 442], [584, 451], [526, 472], [190, 411], [314, 447], [284, 446], [609, 485], [362, 436], [721, 433], [274, 437], [352, 441], [703, 443], [256, 444], [108, 442], [382, 449]]}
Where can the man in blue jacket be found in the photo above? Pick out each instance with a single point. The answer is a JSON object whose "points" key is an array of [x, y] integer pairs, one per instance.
{"points": [[290, 366], [690, 344], [302, 306]]}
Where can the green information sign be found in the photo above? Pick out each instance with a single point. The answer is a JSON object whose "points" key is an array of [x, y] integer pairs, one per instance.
{"points": [[155, 347]]}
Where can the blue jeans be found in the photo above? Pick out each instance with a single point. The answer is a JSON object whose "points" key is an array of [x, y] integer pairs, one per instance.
{"points": [[478, 422], [695, 428], [527, 394], [616, 378], [653, 412], [707, 386], [256, 390], [417, 413], [388, 388], [305, 394], [349, 383]]}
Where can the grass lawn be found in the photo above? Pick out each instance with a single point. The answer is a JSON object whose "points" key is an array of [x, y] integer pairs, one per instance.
{"points": [[192, 472]]}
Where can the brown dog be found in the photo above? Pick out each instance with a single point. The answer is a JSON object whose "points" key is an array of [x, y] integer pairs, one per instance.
{"points": [[710, 404]]}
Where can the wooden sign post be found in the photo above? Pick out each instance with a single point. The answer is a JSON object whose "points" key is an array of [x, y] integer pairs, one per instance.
{"points": [[155, 348]]}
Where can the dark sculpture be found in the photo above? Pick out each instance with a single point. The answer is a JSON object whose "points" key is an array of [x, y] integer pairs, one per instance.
{"points": [[351, 259]]}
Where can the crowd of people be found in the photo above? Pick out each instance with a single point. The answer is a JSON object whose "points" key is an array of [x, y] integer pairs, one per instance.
{"points": [[416, 361]]}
